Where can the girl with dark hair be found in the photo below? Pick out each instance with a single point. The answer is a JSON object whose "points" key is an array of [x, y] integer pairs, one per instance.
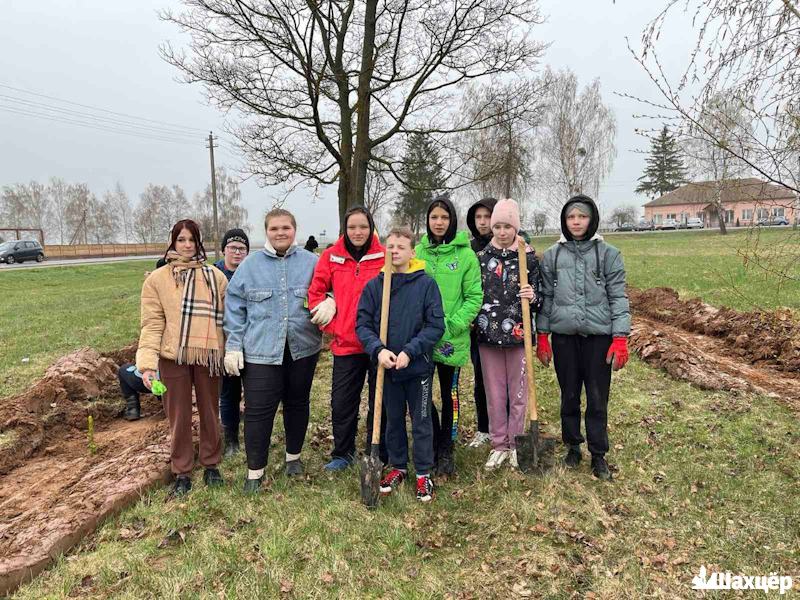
{"points": [[339, 277], [181, 339]]}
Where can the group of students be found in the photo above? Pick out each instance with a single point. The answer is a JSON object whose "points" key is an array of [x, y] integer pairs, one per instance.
{"points": [[258, 326]]}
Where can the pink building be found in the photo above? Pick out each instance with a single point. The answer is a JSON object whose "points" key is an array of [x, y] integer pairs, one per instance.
{"points": [[746, 201]]}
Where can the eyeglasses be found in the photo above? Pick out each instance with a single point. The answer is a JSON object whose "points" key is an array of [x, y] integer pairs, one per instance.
{"points": [[236, 250]]}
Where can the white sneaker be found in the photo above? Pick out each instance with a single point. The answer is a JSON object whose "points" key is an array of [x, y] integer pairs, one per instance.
{"points": [[512, 459], [480, 439], [496, 458]]}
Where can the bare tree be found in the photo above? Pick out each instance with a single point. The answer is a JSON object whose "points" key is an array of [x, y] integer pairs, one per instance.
{"points": [[746, 50], [623, 214], [324, 87], [26, 205], [230, 212], [379, 196], [58, 191], [577, 139], [120, 206]]}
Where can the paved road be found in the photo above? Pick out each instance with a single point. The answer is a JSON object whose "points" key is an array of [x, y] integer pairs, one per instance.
{"points": [[76, 261]]}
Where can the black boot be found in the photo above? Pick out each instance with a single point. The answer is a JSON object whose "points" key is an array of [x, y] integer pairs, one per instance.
{"points": [[212, 477], [253, 486], [446, 465], [133, 410], [573, 457], [182, 486], [231, 442], [600, 468]]}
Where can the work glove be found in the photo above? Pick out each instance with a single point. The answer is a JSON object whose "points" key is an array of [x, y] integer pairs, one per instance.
{"points": [[543, 350], [617, 353], [234, 362], [323, 313]]}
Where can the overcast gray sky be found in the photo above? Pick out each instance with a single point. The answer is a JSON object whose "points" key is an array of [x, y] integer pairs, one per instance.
{"points": [[105, 54]]}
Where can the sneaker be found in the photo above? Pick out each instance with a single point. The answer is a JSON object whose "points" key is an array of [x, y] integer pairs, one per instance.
{"points": [[573, 457], [393, 479], [295, 468], [338, 464], [446, 464], [212, 477], [253, 486], [600, 468], [496, 458], [480, 439], [182, 486], [425, 491], [512, 459]]}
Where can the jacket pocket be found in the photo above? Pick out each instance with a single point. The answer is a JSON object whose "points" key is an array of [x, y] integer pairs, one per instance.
{"points": [[258, 304]]}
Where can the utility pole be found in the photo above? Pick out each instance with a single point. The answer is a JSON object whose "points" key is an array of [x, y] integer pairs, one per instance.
{"points": [[214, 194]]}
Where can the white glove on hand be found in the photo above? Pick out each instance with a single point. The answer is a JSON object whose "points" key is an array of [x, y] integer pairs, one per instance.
{"points": [[234, 362], [323, 313]]}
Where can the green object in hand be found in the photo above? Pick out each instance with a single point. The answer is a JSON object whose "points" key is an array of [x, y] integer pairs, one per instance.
{"points": [[158, 388]]}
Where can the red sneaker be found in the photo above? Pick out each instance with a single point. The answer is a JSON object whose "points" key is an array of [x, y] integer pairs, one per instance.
{"points": [[425, 491], [393, 478]]}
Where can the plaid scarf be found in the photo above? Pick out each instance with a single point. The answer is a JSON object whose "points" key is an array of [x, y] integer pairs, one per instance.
{"points": [[200, 341]]}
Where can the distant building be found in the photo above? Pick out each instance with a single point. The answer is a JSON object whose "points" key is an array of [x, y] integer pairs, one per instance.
{"points": [[744, 200]]}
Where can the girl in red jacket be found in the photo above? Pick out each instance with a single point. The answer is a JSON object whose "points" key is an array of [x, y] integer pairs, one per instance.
{"points": [[341, 273]]}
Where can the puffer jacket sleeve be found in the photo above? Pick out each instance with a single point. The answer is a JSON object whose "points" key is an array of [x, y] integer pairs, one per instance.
{"points": [[535, 281], [472, 291], [617, 298], [368, 305], [543, 317], [153, 324], [432, 325], [235, 320]]}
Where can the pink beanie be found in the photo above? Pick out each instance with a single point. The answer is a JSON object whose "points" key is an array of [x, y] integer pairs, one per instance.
{"points": [[506, 211]]}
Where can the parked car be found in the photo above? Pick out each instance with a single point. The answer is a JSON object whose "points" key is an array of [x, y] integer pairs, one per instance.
{"points": [[694, 223], [21, 250], [625, 227], [668, 224], [644, 225], [779, 221]]}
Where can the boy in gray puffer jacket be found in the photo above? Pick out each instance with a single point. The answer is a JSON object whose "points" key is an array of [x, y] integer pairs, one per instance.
{"points": [[586, 309]]}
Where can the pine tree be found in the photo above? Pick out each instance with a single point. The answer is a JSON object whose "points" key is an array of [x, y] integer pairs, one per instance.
{"points": [[665, 170], [422, 176]]}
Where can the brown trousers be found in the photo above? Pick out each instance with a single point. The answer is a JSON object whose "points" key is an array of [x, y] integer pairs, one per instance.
{"points": [[178, 406]]}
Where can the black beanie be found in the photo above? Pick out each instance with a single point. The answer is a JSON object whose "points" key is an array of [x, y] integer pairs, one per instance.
{"points": [[235, 235]]}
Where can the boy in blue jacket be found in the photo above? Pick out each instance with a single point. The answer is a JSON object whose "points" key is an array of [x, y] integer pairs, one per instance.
{"points": [[416, 324]]}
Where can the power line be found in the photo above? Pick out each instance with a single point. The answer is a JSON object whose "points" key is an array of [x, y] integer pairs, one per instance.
{"points": [[105, 110], [22, 104]]}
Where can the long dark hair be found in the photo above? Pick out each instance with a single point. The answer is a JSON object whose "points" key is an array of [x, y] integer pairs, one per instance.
{"points": [[199, 250]]}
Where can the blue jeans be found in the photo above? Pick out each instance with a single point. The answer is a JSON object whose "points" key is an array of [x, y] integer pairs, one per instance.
{"points": [[230, 397], [415, 395]]}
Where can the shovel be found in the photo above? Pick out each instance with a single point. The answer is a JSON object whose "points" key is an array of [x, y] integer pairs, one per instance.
{"points": [[371, 465], [531, 453]]}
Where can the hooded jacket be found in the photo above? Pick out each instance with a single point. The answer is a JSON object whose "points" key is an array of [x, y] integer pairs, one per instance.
{"points": [[499, 321], [416, 319], [583, 283], [479, 241], [338, 272], [266, 307], [454, 267]]}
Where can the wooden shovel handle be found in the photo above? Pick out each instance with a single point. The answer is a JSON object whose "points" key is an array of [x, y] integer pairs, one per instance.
{"points": [[387, 292], [527, 332]]}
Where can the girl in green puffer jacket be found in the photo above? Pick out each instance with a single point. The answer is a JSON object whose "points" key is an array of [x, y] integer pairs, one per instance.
{"points": [[449, 259]]}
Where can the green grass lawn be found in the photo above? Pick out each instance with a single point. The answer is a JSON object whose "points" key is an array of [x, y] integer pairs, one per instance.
{"points": [[703, 478]]}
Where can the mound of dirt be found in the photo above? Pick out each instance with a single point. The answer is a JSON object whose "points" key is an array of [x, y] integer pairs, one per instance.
{"points": [[771, 336]]}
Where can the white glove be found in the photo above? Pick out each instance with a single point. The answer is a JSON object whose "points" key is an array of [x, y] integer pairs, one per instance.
{"points": [[234, 362], [323, 313]]}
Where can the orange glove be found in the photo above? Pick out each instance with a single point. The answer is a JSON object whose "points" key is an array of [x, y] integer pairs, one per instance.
{"points": [[543, 350], [617, 353]]}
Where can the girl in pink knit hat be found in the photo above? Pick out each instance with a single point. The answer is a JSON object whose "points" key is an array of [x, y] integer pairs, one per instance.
{"points": [[500, 334]]}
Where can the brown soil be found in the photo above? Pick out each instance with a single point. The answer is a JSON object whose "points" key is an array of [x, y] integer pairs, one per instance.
{"points": [[718, 348]]}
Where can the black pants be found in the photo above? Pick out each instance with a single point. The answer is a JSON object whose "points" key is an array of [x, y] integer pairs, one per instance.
{"points": [[130, 384], [267, 386], [415, 396], [581, 362], [230, 398], [347, 383], [481, 412], [445, 430]]}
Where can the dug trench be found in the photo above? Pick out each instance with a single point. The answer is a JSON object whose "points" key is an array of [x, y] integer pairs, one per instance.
{"points": [[54, 489]]}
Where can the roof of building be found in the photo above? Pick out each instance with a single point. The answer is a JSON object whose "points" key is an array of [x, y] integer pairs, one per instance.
{"points": [[733, 190]]}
